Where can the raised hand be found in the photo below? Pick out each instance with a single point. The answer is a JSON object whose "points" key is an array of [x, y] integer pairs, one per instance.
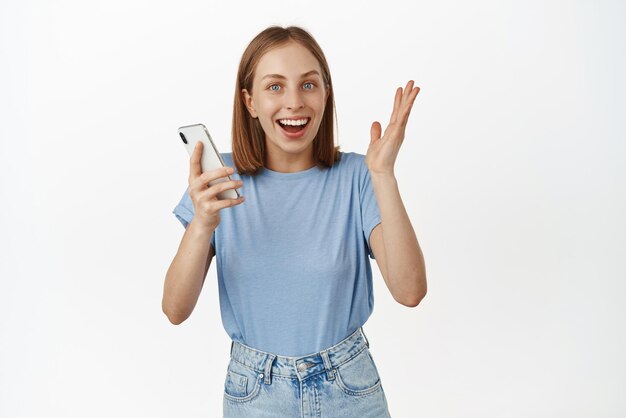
{"points": [[204, 197], [383, 151]]}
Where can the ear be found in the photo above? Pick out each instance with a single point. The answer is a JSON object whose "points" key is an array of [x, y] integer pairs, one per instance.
{"points": [[249, 102]]}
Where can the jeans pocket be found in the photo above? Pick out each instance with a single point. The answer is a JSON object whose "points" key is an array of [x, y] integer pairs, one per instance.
{"points": [[359, 376], [242, 383]]}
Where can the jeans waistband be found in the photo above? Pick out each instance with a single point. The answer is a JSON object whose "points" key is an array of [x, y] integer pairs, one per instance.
{"points": [[269, 364]]}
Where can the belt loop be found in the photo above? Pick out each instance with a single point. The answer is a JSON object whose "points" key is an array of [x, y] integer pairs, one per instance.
{"points": [[330, 372], [366, 341], [268, 368], [231, 347]]}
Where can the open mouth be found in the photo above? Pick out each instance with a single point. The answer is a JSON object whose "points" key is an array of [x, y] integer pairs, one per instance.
{"points": [[293, 126]]}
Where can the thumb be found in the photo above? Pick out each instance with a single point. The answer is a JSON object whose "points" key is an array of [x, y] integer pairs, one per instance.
{"points": [[375, 131]]}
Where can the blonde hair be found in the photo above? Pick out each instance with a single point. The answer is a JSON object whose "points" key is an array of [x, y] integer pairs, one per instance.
{"points": [[248, 136]]}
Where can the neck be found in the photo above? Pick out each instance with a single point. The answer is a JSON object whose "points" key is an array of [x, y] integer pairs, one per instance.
{"points": [[290, 163]]}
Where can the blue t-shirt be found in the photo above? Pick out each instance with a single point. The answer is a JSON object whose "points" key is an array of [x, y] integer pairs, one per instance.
{"points": [[292, 260]]}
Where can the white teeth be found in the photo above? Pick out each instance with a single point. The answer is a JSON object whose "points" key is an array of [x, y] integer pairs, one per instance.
{"points": [[293, 122]]}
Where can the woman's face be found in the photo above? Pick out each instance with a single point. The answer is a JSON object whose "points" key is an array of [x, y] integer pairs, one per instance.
{"points": [[288, 85]]}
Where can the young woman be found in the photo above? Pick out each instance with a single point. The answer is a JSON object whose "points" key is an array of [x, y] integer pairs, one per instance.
{"points": [[295, 282]]}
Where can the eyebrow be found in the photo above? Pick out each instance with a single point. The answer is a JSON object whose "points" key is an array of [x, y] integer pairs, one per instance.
{"points": [[282, 77]]}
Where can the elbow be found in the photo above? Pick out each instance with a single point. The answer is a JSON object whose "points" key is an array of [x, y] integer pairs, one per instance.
{"points": [[413, 300], [412, 303], [175, 317]]}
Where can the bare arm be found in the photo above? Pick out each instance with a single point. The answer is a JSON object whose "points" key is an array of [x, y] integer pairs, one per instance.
{"points": [[394, 242], [187, 272], [395, 245]]}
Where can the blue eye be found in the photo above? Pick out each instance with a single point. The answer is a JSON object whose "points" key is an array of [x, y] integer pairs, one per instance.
{"points": [[274, 85], [310, 84]]}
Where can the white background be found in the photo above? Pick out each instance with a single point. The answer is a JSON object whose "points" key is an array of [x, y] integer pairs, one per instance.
{"points": [[512, 172]]}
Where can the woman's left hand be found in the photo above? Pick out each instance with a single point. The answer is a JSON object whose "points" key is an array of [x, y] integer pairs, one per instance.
{"points": [[382, 152]]}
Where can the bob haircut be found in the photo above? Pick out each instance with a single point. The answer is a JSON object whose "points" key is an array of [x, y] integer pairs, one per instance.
{"points": [[248, 135]]}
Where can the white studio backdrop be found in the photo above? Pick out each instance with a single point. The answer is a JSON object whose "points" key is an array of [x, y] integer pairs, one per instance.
{"points": [[512, 172]]}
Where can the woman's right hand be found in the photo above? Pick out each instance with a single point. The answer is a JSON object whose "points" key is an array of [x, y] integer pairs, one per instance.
{"points": [[204, 197]]}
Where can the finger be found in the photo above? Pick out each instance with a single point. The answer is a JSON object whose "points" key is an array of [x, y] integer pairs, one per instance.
{"points": [[407, 94], [195, 169], [218, 188], [222, 172], [399, 104], [412, 94], [396, 105], [201, 182], [408, 90], [227, 203], [375, 131], [409, 104]]}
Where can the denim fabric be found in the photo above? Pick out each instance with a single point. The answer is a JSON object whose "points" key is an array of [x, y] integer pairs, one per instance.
{"points": [[341, 381]]}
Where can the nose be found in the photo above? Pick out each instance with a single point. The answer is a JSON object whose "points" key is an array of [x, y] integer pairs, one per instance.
{"points": [[293, 99]]}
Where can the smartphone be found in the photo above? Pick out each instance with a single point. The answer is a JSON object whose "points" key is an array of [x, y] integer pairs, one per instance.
{"points": [[211, 158]]}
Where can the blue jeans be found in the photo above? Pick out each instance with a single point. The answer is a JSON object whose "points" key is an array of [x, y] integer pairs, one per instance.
{"points": [[341, 381]]}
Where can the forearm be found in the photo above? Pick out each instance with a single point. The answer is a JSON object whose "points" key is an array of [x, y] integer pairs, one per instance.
{"points": [[185, 276], [404, 259]]}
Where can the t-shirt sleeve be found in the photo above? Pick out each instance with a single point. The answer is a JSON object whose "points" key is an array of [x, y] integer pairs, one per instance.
{"points": [[184, 212], [370, 213]]}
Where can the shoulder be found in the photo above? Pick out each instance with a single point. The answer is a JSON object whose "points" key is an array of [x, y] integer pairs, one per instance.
{"points": [[352, 160], [355, 163], [353, 169]]}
